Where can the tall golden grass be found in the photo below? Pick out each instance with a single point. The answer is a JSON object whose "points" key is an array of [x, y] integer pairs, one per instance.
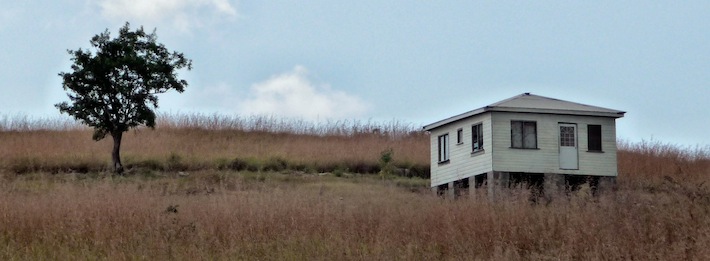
{"points": [[651, 162], [194, 141], [267, 216], [660, 211]]}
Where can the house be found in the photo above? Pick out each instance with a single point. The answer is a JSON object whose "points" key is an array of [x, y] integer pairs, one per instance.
{"points": [[540, 141]]}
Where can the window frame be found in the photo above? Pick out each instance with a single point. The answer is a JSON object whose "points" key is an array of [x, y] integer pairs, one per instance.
{"points": [[443, 148], [598, 140], [523, 134], [477, 138]]}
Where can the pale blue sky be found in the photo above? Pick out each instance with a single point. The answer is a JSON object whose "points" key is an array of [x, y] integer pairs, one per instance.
{"points": [[413, 61]]}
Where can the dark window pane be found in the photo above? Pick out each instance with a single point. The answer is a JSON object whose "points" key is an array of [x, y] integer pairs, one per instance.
{"points": [[594, 136]]}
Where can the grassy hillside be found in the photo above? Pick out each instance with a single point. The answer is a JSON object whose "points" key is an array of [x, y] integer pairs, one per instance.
{"points": [[196, 142], [661, 210]]}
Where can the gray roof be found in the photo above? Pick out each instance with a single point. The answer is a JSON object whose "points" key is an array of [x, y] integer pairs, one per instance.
{"points": [[531, 103]]}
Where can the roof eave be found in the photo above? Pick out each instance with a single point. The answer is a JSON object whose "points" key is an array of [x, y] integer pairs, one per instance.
{"points": [[609, 114], [455, 118]]}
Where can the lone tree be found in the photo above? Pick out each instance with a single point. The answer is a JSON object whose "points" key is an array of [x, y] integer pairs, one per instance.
{"points": [[113, 85]]}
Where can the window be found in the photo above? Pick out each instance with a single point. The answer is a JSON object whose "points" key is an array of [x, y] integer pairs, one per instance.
{"points": [[594, 137], [523, 134], [444, 148], [459, 136], [567, 136], [477, 134]]}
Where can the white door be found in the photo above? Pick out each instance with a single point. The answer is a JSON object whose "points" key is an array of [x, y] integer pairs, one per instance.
{"points": [[568, 146]]}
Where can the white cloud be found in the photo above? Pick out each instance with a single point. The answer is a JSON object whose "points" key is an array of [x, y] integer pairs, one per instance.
{"points": [[293, 95], [180, 14]]}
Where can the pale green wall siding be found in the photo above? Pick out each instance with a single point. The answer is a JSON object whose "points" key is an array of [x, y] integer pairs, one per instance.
{"points": [[461, 163], [546, 158], [498, 156]]}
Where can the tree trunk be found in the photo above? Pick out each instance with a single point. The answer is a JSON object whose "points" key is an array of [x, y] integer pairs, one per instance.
{"points": [[116, 154]]}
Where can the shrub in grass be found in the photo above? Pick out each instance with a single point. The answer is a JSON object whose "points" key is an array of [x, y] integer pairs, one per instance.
{"points": [[387, 167], [386, 156], [25, 165], [340, 171], [222, 164], [275, 164], [419, 170], [364, 167], [239, 164], [326, 167], [300, 166], [175, 163], [81, 167]]}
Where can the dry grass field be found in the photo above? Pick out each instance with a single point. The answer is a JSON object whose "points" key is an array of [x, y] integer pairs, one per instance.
{"points": [[196, 142], [218, 188]]}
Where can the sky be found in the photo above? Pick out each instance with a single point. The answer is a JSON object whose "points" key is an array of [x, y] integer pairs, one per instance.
{"points": [[409, 61]]}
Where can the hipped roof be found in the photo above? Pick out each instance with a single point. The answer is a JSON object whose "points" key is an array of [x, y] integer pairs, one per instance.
{"points": [[530, 103]]}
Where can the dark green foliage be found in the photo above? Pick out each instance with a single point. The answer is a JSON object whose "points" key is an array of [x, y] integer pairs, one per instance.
{"points": [[299, 166], [363, 167], [420, 171], [242, 164], [338, 172], [386, 156], [386, 166], [175, 163], [238, 164], [325, 167], [275, 164], [27, 165], [113, 86]]}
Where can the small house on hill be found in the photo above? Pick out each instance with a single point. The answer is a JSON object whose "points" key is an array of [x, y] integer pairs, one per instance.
{"points": [[527, 138]]}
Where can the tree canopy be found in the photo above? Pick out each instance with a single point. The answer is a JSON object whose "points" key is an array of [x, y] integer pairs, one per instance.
{"points": [[113, 86]]}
